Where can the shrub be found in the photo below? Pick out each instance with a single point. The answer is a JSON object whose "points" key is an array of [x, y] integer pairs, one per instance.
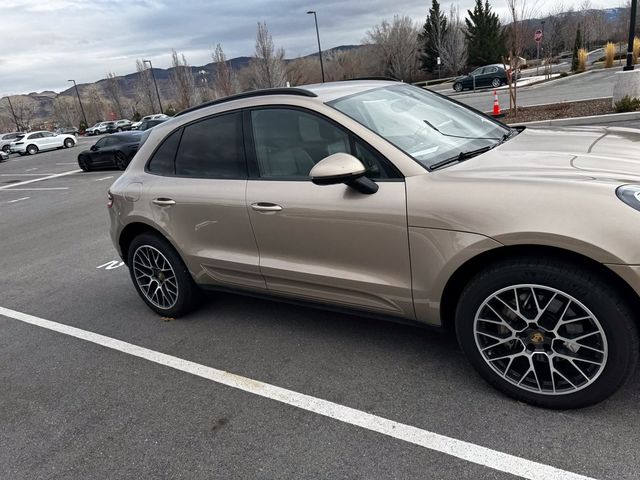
{"points": [[609, 55], [627, 104], [636, 49], [582, 60]]}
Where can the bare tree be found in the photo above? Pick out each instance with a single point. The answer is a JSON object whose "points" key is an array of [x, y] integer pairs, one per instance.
{"points": [[267, 67], [95, 106], [182, 81], [225, 80], [145, 93], [520, 13], [452, 48], [24, 108], [398, 46], [114, 93], [65, 111], [305, 70]]}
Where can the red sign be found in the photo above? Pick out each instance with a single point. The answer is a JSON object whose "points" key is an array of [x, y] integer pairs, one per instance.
{"points": [[538, 36]]}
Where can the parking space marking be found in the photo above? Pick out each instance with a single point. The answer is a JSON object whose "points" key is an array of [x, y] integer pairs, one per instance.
{"points": [[67, 163], [31, 169], [18, 199], [470, 452], [24, 174], [103, 178], [36, 188], [71, 172], [112, 265]]}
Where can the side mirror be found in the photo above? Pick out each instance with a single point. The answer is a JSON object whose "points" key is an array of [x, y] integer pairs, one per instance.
{"points": [[93, 148], [343, 168]]}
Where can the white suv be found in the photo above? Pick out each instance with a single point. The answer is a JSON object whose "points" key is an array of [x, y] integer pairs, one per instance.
{"points": [[35, 142]]}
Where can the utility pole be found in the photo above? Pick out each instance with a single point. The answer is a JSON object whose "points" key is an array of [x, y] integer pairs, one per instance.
{"points": [[632, 34], [154, 82], [312, 12], [15, 119], [86, 124]]}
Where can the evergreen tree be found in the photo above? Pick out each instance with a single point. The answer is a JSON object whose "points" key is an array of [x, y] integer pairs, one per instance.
{"points": [[576, 46], [431, 37], [485, 39]]}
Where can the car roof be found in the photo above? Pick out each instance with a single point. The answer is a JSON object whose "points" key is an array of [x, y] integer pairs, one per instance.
{"points": [[133, 134]]}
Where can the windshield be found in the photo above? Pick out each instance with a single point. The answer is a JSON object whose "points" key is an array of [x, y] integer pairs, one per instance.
{"points": [[426, 126]]}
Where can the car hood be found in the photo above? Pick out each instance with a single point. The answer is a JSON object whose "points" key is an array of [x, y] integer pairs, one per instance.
{"points": [[608, 154]]}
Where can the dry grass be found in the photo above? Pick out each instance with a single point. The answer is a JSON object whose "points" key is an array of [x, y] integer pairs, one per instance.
{"points": [[636, 49], [582, 60], [609, 55]]}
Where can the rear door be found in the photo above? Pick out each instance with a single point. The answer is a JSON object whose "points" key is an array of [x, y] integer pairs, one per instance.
{"points": [[325, 243], [197, 194]]}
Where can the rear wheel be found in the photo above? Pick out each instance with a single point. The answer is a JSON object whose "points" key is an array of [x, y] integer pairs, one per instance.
{"points": [[496, 82], [161, 277], [457, 87], [121, 161], [68, 143], [6, 149], [32, 149], [547, 333]]}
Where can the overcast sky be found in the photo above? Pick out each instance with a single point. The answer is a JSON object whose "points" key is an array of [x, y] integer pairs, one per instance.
{"points": [[43, 43]]}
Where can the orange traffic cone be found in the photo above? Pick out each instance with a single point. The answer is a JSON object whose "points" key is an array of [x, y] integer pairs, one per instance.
{"points": [[496, 105]]}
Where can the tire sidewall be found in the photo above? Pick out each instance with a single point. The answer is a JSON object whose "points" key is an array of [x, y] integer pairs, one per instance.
{"points": [[32, 149], [68, 143], [187, 289], [495, 83], [605, 304]]}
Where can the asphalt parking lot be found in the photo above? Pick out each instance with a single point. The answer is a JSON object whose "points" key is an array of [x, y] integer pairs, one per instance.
{"points": [[357, 398]]}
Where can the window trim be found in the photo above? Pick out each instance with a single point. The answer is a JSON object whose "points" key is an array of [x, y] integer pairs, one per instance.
{"points": [[182, 127], [251, 155]]}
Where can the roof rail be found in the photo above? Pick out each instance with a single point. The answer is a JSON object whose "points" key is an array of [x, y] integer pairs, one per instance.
{"points": [[388, 79], [253, 93]]}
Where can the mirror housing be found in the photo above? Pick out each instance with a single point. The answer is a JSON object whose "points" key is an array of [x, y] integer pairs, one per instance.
{"points": [[93, 148], [342, 168]]}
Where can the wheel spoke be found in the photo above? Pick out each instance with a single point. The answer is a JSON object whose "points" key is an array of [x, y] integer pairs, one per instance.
{"points": [[155, 277]]}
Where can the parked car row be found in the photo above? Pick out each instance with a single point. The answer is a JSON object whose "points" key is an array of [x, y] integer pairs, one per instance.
{"points": [[109, 127], [488, 76]]}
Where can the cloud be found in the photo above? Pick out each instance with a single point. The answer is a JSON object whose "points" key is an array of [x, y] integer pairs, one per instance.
{"points": [[44, 43]]}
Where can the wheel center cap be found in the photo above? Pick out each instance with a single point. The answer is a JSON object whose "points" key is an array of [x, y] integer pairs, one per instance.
{"points": [[536, 337]]}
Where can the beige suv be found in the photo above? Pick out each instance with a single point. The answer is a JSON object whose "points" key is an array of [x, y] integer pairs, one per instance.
{"points": [[387, 199]]}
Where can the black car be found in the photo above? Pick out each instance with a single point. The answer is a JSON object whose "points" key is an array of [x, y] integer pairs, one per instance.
{"points": [[147, 124], [115, 150], [111, 127], [489, 76], [67, 130]]}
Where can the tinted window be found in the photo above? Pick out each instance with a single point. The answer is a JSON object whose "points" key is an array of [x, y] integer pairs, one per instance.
{"points": [[162, 161], [212, 148], [102, 142], [34, 136], [289, 143]]}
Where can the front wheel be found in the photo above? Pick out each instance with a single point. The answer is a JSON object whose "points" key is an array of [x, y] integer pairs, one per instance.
{"points": [[161, 277], [457, 87], [68, 143], [547, 333], [496, 82], [121, 161], [32, 149]]}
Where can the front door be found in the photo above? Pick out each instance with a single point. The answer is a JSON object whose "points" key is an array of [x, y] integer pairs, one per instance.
{"points": [[325, 243], [198, 197]]}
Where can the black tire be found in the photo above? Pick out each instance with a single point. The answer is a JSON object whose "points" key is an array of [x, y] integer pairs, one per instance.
{"points": [[188, 293], [32, 149], [6, 149], [121, 161], [118, 129], [598, 295], [83, 163], [496, 82], [68, 143], [457, 87]]}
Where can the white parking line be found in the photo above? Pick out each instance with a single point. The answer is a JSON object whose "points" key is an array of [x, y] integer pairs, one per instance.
{"points": [[67, 163], [103, 178], [36, 188], [31, 169], [18, 199], [24, 174], [433, 441], [71, 172]]}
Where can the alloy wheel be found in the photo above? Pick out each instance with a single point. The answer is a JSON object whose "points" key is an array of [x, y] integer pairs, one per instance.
{"points": [[540, 339], [155, 277]]}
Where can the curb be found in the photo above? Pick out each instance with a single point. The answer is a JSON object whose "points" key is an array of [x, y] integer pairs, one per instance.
{"points": [[591, 120]]}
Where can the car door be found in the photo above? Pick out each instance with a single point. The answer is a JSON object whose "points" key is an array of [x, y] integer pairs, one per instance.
{"points": [[49, 141], [97, 152], [197, 194], [325, 243], [106, 153]]}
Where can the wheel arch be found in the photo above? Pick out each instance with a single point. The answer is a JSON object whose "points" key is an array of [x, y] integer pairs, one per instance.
{"points": [[132, 230], [459, 279]]}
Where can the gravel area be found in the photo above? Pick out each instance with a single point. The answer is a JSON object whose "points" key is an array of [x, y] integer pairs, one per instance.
{"points": [[560, 110]]}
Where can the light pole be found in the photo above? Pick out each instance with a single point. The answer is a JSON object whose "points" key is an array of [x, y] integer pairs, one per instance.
{"points": [[154, 82], [315, 17], [15, 119], [86, 125], [632, 34]]}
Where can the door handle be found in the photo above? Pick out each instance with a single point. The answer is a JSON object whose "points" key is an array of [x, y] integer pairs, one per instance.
{"points": [[266, 207], [164, 202]]}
